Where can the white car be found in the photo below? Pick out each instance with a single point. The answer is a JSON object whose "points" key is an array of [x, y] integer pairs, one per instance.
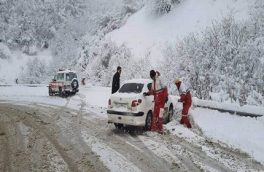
{"points": [[130, 107]]}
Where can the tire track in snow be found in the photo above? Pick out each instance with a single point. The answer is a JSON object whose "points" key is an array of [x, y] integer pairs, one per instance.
{"points": [[75, 158], [180, 162], [4, 147], [17, 156], [111, 158], [139, 154], [119, 152]]}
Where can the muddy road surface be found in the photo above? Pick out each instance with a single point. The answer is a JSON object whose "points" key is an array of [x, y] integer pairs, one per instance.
{"points": [[49, 138]]}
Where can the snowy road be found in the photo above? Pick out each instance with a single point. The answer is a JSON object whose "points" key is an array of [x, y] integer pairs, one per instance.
{"points": [[41, 133]]}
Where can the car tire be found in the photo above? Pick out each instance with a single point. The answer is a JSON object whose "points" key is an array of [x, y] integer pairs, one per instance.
{"points": [[62, 93], [171, 113], [118, 126], [50, 92], [66, 94], [148, 121]]}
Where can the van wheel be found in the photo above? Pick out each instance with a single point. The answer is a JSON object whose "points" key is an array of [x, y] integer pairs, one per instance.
{"points": [[148, 121], [50, 92], [119, 126], [171, 112], [60, 91]]}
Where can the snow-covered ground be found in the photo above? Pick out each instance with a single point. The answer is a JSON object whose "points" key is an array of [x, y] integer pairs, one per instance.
{"points": [[144, 33], [244, 133]]}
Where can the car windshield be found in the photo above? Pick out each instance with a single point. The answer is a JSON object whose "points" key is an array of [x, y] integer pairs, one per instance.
{"points": [[70, 76], [60, 76], [131, 88]]}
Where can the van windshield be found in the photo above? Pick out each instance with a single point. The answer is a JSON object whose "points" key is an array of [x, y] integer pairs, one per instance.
{"points": [[60, 77], [131, 88]]}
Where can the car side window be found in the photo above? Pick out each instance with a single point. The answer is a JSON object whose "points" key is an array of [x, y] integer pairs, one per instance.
{"points": [[68, 77], [71, 76]]}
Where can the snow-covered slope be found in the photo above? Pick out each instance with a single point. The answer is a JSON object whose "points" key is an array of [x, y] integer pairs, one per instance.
{"points": [[144, 33], [11, 68]]}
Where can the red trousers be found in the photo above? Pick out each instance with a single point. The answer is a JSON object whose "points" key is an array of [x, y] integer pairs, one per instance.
{"points": [[186, 106], [159, 99]]}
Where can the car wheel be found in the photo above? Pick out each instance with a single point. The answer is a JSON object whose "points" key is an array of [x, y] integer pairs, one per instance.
{"points": [[50, 92], [66, 94], [171, 112], [148, 122], [119, 126], [62, 93]]}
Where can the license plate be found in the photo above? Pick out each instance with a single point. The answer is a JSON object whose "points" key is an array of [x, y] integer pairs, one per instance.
{"points": [[122, 105]]}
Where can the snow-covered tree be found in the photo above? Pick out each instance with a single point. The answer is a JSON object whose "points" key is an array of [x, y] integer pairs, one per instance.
{"points": [[35, 72], [160, 7], [34, 22], [4, 52], [257, 16], [105, 58], [226, 58]]}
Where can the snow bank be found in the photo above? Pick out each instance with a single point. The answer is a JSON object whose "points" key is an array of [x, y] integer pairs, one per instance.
{"points": [[251, 110], [96, 96], [143, 33], [245, 133], [25, 94]]}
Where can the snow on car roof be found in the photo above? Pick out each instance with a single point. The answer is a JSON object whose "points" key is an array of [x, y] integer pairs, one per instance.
{"points": [[143, 81], [66, 71]]}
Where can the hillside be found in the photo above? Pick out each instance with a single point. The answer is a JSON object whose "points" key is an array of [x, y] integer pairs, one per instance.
{"points": [[144, 33], [215, 46]]}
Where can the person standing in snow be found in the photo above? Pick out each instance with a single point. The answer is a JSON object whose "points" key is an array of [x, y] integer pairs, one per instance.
{"points": [[116, 80], [160, 93], [186, 99]]}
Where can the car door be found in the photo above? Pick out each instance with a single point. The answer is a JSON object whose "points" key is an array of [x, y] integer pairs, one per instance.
{"points": [[149, 100]]}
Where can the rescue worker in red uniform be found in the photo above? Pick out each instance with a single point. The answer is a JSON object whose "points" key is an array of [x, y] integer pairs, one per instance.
{"points": [[186, 99], [160, 93]]}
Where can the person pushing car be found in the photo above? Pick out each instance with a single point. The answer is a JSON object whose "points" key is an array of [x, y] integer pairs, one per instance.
{"points": [[160, 93], [186, 99]]}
